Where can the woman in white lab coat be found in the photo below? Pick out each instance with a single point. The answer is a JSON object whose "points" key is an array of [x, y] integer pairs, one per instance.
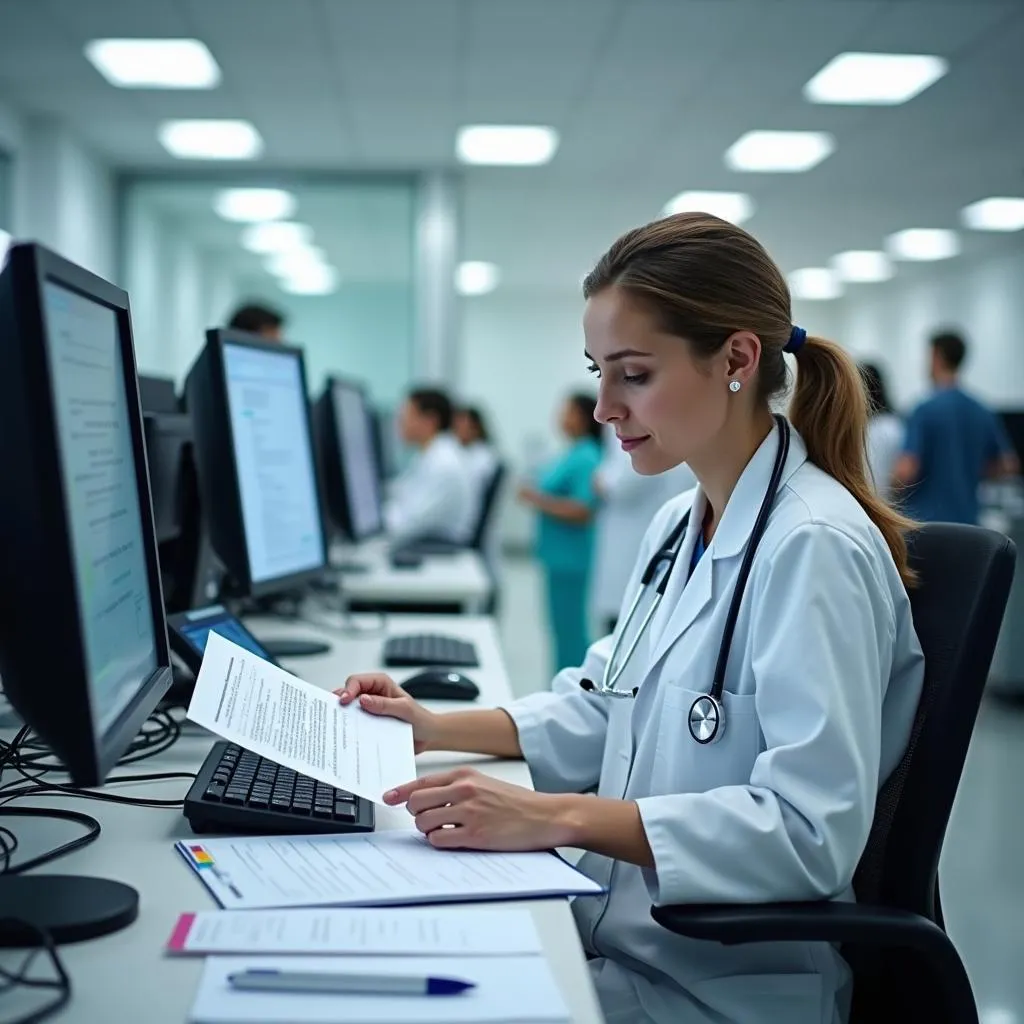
{"points": [[885, 431], [687, 320], [629, 500]]}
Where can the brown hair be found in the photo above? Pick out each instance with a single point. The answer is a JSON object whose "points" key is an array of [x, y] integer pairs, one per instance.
{"points": [[705, 279]]}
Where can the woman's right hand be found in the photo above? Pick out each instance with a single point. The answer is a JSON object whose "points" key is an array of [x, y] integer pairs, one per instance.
{"points": [[379, 694]]}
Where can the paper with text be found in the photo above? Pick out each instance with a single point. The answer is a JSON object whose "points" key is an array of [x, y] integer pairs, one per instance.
{"points": [[248, 701], [370, 869], [387, 931], [520, 989]]}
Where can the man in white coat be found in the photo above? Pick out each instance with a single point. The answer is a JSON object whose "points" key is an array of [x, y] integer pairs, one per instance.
{"points": [[432, 498], [629, 502]]}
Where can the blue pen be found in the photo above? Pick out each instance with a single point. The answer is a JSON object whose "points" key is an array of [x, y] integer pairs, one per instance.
{"points": [[351, 984]]}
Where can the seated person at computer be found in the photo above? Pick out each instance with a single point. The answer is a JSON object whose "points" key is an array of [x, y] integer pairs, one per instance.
{"points": [[480, 458], [256, 318], [432, 498]]}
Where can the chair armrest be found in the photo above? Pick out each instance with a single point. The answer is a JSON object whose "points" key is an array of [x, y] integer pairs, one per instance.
{"points": [[824, 921]]}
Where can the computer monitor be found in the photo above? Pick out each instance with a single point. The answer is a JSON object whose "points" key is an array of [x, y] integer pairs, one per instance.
{"points": [[254, 453], [1013, 423], [350, 472], [83, 640]]}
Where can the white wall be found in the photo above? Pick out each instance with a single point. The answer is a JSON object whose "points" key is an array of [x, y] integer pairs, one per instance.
{"points": [[10, 129], [64, 196], [892, 322]]}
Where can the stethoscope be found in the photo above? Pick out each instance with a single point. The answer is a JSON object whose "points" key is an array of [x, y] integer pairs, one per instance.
{"points": [[707, 714]]}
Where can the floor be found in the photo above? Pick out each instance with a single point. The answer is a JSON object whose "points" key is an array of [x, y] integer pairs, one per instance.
{"points": [[982, 866]]}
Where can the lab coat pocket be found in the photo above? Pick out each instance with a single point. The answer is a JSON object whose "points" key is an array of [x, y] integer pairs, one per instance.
{"points": [[765, 998], [684, 766]]}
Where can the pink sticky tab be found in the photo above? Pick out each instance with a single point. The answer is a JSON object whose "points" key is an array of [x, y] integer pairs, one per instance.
{"points": [[180, 933]]}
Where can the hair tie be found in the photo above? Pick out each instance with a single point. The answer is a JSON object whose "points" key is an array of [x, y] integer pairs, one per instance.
{"points": [[797, 337]]}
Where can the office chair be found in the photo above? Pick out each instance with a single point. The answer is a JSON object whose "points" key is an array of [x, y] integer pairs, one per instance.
{"points": [[904, 965], [488, 506]]}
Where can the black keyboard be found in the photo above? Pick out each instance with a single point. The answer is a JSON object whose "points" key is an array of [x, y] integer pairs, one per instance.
{"points": [[429, 649], [238, 791], [428, 547]]}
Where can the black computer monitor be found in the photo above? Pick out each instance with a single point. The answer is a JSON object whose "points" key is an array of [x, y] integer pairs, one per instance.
{"points": [[343, 426], [257, 473], [1013, 423], [83, 640]]}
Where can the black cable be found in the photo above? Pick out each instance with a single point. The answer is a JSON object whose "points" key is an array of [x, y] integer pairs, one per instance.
{"points": [[61, 983], [59, 814]]}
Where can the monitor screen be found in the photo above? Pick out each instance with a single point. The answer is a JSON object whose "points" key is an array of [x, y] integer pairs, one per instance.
{"points": [[102, 495], [358, 460], [274, 459]]}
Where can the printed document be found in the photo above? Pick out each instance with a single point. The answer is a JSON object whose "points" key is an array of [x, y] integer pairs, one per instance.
{"points": [[262, 708], [368, 869], [387, 931], [513, 988]]}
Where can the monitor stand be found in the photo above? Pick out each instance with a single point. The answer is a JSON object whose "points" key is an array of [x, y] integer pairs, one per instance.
{"points": [[283, 647], [70, 908]]}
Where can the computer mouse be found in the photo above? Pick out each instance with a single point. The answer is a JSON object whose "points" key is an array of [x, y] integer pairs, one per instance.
{"points": [[441, 684]]}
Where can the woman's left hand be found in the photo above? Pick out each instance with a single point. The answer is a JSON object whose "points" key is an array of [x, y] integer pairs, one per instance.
{"points": [[527, 494], [483, 813]]}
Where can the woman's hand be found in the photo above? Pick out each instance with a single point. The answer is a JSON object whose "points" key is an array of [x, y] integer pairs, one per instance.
{"points": [[527, 494], [381, 695], [486, 814]]}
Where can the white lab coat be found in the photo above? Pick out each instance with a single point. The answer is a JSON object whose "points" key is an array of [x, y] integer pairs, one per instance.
{"points": [[821, 688], [629, 502], [885, 442], [432, 496]]}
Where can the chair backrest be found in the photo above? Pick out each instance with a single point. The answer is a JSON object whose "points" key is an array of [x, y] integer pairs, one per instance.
{"points": [[964, 577], [488, 505]]}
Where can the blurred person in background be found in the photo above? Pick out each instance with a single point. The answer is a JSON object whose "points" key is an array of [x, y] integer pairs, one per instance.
{"points": [[952, 443], [885, 430], [628, 503], [258, 319], [565, 500], [478, 453], [431, 499]]}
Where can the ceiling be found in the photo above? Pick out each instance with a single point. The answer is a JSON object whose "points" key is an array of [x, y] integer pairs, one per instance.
{"points": [[646, 94]]}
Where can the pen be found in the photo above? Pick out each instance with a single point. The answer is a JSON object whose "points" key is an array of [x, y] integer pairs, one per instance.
{"points": [[362, 984]]}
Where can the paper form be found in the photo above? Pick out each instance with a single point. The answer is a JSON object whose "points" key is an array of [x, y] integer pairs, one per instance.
{"points": [[433, 931], [370, 869], [262, 708], [520, 989]]}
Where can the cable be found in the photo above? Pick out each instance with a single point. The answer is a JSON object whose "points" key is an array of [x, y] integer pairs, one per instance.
{"points": [[11, 979], [59, 851]]}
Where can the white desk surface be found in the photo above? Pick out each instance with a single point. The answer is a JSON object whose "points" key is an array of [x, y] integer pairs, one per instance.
{"points": [[459, 578], [125, 976]]}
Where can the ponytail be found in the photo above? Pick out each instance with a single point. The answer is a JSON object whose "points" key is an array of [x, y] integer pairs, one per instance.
{"points": [[830, 411]]}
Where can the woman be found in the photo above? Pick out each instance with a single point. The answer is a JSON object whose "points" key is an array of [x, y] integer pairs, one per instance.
{"points": [[565, 498], [687, 320], [885, 431], [479, 456]]}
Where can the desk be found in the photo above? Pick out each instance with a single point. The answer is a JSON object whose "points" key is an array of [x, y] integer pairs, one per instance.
{"points": [[459, 579], [125, 977]]}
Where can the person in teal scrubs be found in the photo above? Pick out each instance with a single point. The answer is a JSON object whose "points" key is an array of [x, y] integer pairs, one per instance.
{"points": [[565, 499]]}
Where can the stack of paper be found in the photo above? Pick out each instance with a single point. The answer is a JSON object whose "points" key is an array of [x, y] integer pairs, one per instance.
{"points": [[371, 869], [507, 989]]}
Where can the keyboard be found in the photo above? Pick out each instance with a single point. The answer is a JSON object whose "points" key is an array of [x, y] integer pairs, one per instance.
{"points": [[429, 649], [238, 791], [427, 547]]}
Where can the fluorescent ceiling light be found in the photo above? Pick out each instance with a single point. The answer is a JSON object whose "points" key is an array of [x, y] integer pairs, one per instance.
{"points": [[511, 145], [1000, 213], [779, 151], [874, 78], [476, 278], [923, 244], [211, 140], [312, 280], [154, 63], [862, 265], [735, 207], [249, 205], [276, 236], [814, 283], [293, 262]]}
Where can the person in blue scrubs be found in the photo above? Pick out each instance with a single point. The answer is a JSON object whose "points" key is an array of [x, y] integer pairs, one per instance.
{"points": [[565, 499], [952, 443]]}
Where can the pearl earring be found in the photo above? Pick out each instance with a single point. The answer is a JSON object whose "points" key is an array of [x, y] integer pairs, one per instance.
{"points": [[734, 386]]}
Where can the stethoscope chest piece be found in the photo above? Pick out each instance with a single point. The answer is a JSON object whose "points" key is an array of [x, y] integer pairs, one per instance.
{"points": [[707, 720]]}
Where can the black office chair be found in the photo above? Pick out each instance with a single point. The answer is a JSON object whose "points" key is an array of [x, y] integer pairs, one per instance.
{"points": [[904, 965], [488, 506]]}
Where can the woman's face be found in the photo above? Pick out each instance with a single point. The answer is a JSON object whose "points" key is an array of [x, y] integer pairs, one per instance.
{"points": [[569, 419], [663, 405]]}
